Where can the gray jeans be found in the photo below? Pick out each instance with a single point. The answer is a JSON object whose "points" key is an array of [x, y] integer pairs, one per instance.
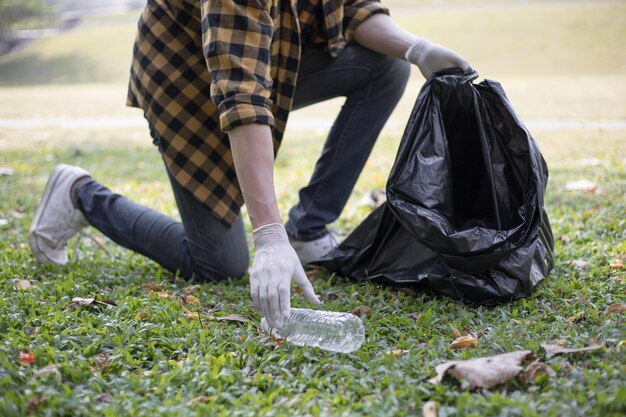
{"points": [[201, 247]]}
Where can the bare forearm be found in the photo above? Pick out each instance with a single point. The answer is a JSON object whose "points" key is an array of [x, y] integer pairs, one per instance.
{"points": [[381, 34], [253, 154]]}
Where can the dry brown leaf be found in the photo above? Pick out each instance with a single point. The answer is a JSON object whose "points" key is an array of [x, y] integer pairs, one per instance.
{"points": [[397, 352], [163, 294], [457, 334], [406, 290], [193, 315], [332, 295], [233, 317], [103, 398], [34, 403], [141, 316], [578, 263], [27, 357], [486, 372], [191, 288], [23, 284], [565, 240], [617, 263], [101, 363], [313, 272], [203, 399], [31, 331], [362, 311], [615, 308], [429, 409], [535, 370], [152, 287], [581, 185], [464, 342], [576, 317], [552, 349], [189, 299], [47, 370], [91, 302]]}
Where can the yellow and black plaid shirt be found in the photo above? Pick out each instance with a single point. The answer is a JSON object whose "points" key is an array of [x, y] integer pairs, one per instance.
{"points": [[203, 67]]}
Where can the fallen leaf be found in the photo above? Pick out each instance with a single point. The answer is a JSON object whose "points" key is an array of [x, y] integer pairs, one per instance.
{"points": [[565, 240], [535, 370], [296, 291], [429, 409], [34, 403], [552, 350], [578, 263], [485, 372], [406, 290], [615, 308], [163, 294], [464, 342], [86, 302], [313, 272], [31, 331], [47, 370], [189, 299], [362, 311], [581, 185], [23, 284], [332, 295], [152, 287], [457, 334], [6, 171], [576, 317], [397, 352], [91, 302], [101, 363], [104, 398], [140, 316], [416, 315], [203, 399], [106, 301], [193, 315], [617, 263], [27, 357], [233, 317], [192, 288]]}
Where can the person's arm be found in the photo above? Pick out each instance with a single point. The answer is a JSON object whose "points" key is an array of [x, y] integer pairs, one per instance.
{"points": [[381, 34], [275, 261], [236, 39]]}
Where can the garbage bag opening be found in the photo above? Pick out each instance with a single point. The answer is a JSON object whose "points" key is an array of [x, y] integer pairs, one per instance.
{"points": [[473, 200]]}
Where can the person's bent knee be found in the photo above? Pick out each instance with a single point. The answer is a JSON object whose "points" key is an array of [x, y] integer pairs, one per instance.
{"points": [[229, 267]]}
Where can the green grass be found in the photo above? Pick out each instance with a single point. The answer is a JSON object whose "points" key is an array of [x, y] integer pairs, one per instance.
{"points": [[555, 60], [163, 363]]}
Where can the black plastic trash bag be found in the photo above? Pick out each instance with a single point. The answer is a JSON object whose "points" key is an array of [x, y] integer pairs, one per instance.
{"points": [[465, 210]]}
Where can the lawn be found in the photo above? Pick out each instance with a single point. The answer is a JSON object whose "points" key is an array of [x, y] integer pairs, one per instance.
{"points": [[147, 355]]}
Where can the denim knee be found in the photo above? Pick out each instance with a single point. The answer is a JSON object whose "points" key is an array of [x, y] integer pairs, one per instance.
{"points": [[230, 265]]}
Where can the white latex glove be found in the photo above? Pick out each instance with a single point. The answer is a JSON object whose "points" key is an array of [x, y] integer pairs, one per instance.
{"points": [[430, 57], [275, 263]]}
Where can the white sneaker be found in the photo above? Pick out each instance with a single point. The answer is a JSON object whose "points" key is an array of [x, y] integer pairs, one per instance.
{"points": [[314, 250], [56, 219]]}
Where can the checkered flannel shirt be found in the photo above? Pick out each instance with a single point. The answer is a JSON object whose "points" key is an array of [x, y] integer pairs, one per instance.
{"points": [[203, 67]]}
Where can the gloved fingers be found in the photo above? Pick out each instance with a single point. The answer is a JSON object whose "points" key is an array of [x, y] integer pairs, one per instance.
{"points": [[304, 283], [276, 277], [284, 294], [254, 289], [264, 301]]}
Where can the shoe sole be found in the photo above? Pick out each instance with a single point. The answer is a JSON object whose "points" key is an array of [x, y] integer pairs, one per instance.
{"points": [[32, 238]]}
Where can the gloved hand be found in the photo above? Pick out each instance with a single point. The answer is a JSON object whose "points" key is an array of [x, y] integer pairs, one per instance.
{"points": [[430, 57], [275, 263]]}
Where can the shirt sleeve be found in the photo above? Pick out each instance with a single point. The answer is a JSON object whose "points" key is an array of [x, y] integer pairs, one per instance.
{"points": [[357, 12], [236, 41]]}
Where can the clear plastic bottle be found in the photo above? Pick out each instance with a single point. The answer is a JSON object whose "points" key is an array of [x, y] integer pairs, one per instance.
{"points": [[330, 330]]}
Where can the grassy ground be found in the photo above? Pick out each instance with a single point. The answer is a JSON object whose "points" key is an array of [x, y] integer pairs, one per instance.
{"points": [[146, 357]]}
